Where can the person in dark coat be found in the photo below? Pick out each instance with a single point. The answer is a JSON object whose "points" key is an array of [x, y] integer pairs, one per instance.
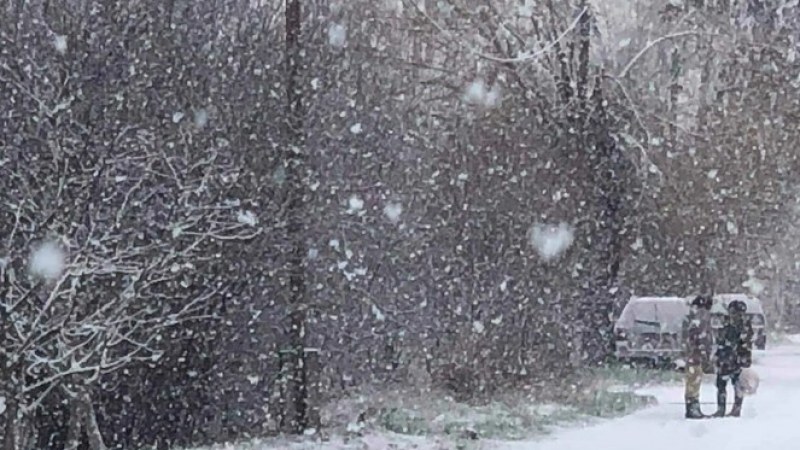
{"points": [[734, 353], [698, 337]]}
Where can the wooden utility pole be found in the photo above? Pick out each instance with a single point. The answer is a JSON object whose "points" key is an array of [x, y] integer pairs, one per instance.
{"points": [[298, 412]]}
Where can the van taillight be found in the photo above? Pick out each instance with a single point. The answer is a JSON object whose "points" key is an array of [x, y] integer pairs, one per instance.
{"points": [[620, 334]]}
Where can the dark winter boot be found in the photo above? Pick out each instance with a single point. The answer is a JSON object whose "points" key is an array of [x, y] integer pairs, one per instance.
{"points": [[721, 404], [737, 407], [693, 409]]}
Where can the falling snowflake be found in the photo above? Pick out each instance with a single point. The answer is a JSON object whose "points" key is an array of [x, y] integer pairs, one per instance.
{"points": [[60, 43], [477, 93], [493, 97], [732, 228], [279, 175], [356, 129], [337, 35], [177, 231], [200, 118], [378, 314], [525, 9], [247, 218], [355, 204], [551, 241], [393, 211], [48, 261], [478, 327], [753, 284]]}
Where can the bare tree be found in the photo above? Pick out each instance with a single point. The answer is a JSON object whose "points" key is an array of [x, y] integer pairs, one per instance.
{"points": [[121, 270]]}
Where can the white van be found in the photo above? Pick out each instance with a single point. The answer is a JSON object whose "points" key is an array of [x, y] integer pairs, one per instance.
{"points": [[650, 329]]}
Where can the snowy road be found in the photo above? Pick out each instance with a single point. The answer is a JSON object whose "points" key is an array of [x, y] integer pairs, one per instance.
{"points": [[770, 420]]}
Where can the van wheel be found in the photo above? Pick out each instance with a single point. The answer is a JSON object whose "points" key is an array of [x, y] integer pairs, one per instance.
{"points": [[665, 364], [642, 363]]}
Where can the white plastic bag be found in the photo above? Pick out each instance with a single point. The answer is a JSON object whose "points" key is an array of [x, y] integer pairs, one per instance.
{"points": [[749, 381]]}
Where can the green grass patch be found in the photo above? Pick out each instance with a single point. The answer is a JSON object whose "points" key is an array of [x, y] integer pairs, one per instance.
{"points": [[633, 376], [404, 416], [607, 404], [512, 422], [604, 392], [404, 421]]}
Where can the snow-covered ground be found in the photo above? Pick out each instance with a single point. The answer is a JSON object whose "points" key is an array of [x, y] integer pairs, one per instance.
{"points": [[769, 419], [769, 422]]}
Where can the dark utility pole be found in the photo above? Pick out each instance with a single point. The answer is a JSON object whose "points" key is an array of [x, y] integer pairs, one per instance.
{"points": [[297, 365]]}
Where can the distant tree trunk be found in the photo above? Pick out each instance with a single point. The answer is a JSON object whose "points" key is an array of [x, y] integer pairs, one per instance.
{"points": [[11, 425], [88, 418], [600, 164], [705, 89], [6, 371], [83, 419], [74, 430], [608, 164], [311, 385], [584, 31], [295, 417], [674, 91]]}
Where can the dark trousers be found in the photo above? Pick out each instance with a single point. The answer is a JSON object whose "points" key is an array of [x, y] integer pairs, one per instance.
{"points": [[722, 384]]}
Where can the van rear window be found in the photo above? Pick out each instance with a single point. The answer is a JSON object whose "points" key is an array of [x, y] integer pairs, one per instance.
{"points": [[656, 315]]}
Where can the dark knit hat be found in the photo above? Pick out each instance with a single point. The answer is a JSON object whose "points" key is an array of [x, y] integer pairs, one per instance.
{"points": [[737, 306], [702, 302]]}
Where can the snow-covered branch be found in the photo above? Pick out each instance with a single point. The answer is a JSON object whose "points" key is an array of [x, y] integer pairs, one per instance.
{"points": [[652, 43], [107, 253]]}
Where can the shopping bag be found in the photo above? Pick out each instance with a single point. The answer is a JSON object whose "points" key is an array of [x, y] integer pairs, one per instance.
{"points": [[749, 381]]}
